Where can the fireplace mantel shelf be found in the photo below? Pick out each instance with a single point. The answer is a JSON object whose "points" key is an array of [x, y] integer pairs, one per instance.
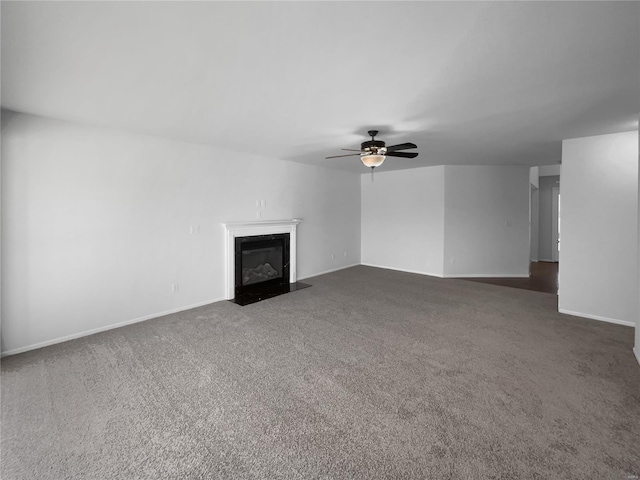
{"points": [[262, 223], [260, 227]]}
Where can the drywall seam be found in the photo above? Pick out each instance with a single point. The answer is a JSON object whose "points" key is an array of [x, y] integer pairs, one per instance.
{"points": [[598, 317], [105, 328]]}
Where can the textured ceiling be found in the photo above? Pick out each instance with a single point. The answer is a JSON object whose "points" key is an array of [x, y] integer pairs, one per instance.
{"points": [[469, 83]]}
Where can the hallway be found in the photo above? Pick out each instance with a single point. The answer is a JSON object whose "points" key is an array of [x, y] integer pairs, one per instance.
{"points": [[543, 278]]}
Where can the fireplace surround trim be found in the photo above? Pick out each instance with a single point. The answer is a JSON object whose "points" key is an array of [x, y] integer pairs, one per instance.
{"points": [[246, 229]]}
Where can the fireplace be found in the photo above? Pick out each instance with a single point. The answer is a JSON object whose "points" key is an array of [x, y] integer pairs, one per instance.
{"points": [[261, 264], [260, 260]]}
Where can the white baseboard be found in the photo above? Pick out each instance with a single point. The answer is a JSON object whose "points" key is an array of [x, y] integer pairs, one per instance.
{"points": [[548, 260], [637, 354], [597, 317], [461, 275], [328, 271], [439, 275], [487, 275], [135, 320], [105, 328]]}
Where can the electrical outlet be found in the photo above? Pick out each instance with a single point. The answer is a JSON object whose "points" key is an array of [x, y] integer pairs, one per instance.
{"points": [[453, 260], [333, 256], [345, 253], [175, 287], [194, 229]]}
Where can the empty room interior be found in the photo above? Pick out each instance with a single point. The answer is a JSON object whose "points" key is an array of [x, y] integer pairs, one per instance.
{"points": [[304, 240]]}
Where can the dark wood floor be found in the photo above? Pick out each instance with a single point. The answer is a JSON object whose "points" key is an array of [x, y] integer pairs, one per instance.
{"points": [[544, 278]]}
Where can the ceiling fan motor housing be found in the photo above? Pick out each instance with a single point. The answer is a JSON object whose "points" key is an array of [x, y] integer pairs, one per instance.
{"points": [[373, 152], [372, 145]]}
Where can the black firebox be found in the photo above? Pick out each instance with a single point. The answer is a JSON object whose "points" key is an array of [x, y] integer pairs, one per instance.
{"points": [[261, 266]]}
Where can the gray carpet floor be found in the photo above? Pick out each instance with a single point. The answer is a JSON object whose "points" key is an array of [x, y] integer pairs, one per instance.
{"points": [[369, 374]]}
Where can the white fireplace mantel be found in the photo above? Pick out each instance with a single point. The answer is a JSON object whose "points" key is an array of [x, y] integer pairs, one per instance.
{"points": [[246, 229]]}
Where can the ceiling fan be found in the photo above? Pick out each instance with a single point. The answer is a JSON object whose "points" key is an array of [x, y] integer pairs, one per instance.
{"points": [[373, 152]]}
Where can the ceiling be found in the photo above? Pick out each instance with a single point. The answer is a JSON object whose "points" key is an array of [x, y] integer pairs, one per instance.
{"points": [[471, 83]]}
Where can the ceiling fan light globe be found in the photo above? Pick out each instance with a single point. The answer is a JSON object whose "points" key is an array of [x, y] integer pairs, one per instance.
{"points": [[372, 160]]}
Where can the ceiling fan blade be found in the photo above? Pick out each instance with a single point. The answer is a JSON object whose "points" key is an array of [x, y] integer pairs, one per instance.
{"points": [[402, 154], [350, 150], [347, 155], [402, 146]]}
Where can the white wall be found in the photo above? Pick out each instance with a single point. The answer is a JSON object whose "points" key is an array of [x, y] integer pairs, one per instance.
{"points": [[534, 221], [417, 220], [95, 224], [486, 221], [598, 261], [403, 220], [545, 222], [549, 170], [534, 176], [637, 344], [534, 212]]}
